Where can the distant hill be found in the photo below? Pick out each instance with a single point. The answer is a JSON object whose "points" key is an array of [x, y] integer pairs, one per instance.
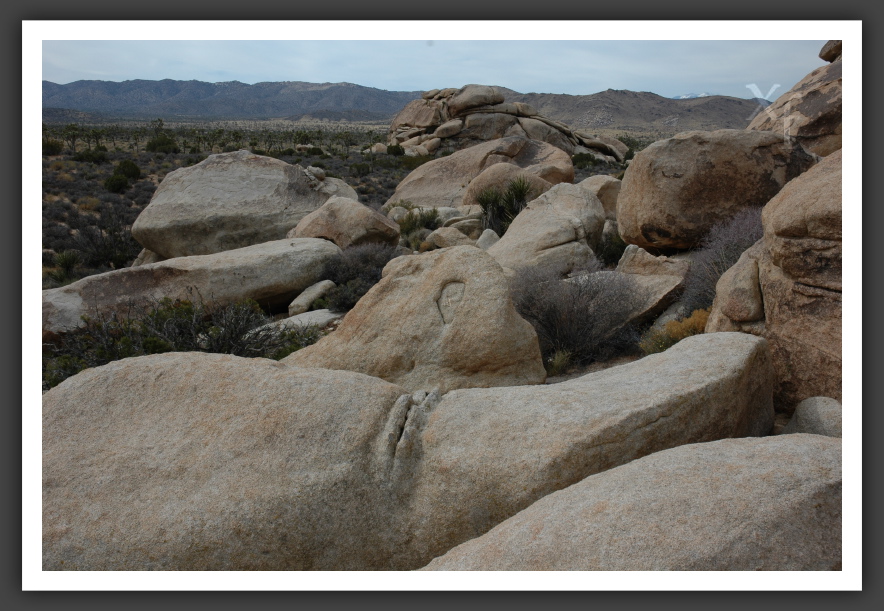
{"points": [[183, 100], [629, 111], [641, 111]]}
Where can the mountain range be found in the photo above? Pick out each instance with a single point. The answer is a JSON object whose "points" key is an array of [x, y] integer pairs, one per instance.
{"points": [[171, 100]]}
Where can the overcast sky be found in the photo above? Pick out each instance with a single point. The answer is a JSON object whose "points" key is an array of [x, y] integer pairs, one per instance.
{"points": [[666, 67]]}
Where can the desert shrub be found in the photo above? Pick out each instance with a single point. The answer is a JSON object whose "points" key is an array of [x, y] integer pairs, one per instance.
{"points": [[499, 208], [91, 156], [584, 160], [108, 244], [419, 219], [117, 183], [315, 151], [65, 263], [171, 326], [163, 143], [360, 169], [658, 340], [718, 252], [129, 169], [610, 248], [52, 146], [354, 271], [412, 163], [395, 149], [586, 316]]}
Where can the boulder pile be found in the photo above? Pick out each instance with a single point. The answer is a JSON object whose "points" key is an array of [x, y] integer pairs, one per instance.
{"points": [[453, 119]]}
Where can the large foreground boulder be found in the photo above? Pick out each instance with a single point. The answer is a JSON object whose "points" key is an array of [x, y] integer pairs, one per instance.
{"points": [[771, 504], [442, 320], [787, 287], [560, 229], [192, 461], [444, 181], [677, 189], [272, 274], [229, 201], [810, 112]]}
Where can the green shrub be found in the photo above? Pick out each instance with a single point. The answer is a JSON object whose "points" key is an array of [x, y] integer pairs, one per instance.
{"points": [[91, 156], [315, 151], [500, 208], [354, 272], [128, 169], [52, 147], [360, 169], [162, 144], [411, 163], [586, 316], [658, 340], [419, 219], [584, 161], [719, 251], [180, 326], [117, 183], [395, 149]]}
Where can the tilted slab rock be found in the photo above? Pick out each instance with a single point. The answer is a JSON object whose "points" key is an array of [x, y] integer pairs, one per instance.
{"points": [[443, 319], [607, 189], [229, 201], [677, 189], [471, 96], [796, 303], [444, 181], [770, 504], [272, 274], [638, 261], [306, 298], [560, 228], [346, 222], [831, 51], [810, 112], [192, 461]]}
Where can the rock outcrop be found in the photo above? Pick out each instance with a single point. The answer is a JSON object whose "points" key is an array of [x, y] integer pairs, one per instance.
{"points": [[770, 504], [228, 201], [560, 229], [442, 320], [677, 189], [459, 118], [817, 416], [607, 189], [346, 222], [787, 287], [215, 462], [443, 182], [810, 112], [272, 274]]}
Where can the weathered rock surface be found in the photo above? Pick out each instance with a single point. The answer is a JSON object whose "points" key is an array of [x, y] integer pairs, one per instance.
{"points": [[444, 181], [675, 190], [638, 261], [831, 51], [810, 112], [817, 416], [320, 318], [488, 239], [272, 274], [607, 189], [560, 229], [229, 201], [214, 462], [443, 320], [445, 237], [346, 222], [732, 505], [796, 303], [192, 461], [306, 298]]}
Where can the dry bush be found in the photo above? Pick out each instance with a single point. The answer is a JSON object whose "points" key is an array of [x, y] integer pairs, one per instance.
{"points": [[658, 340], [586, 316]]}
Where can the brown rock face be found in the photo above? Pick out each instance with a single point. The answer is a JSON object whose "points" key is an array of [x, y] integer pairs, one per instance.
{"points": [[272, 274], [607, 189], [831, 51], [189, 461], [444, 181], [796, 303], [230, 201], [675, 190], [810, 112], [443, 319], [346, 222], [684, 509]]}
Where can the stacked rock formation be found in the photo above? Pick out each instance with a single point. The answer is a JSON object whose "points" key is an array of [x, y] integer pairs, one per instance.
{"points": [[456, 118]]}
